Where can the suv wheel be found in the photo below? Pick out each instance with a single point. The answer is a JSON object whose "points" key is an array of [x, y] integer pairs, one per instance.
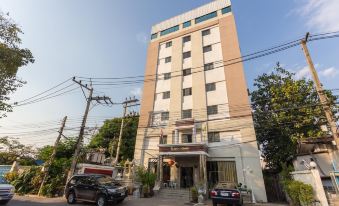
{"points": [[101, 201], [71, 198]]}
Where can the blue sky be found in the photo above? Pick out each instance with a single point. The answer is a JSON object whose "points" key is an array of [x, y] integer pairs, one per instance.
{"points": [[109, 39]]}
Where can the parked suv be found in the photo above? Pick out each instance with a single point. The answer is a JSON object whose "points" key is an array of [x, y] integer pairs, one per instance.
{"points": [[6, 191], [100, 189]]}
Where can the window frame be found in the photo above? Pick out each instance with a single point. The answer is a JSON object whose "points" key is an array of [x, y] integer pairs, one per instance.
{"points": [[207, 48], [168, 59], [164, 116], [186, 55], [166, 95], [186, 39], [185, 93], [208, 66], [168, 44], [187, 24], [211, 87], [206, 17], [206, 32], [212, 137], [167, 76], [185, 112], [212, 110], [186, 72], [226, 10]]}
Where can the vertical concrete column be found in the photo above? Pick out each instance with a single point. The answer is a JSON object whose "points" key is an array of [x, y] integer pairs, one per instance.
{"points": [[160, 169], [176, 136], [198, 77], [205, 170], [194, 134], [201, 173]]}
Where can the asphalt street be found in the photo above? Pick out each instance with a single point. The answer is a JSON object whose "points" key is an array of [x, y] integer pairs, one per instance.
{"points": [[37, 201]]}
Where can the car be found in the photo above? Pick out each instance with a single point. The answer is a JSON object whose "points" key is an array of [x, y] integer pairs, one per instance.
{"points": [[226, 193], [100, 189], [6, 191]]}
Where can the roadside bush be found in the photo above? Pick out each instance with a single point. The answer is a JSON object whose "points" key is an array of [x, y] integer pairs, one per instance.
{"points": [[300, 193], [27, 182]]}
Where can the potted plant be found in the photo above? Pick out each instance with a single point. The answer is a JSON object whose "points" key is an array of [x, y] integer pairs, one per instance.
{"points": [[147, 180], [194, 193]]}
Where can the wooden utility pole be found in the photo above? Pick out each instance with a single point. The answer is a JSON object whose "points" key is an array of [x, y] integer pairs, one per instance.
{"points": [[51, 159], [83, 124], [322, 96], [127, 103]]}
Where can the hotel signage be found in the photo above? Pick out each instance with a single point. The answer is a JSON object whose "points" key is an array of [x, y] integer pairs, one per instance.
{"points": [[183, 148]]}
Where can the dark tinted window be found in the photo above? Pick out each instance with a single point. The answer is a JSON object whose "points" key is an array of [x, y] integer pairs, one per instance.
{"points": [[186, 39], [207, 48], [186, 55], [186, 72], [206, 32]]}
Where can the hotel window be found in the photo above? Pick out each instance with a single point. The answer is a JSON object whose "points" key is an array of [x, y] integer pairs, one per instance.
{"points": [[164, 116], [154, 36], [207, 48], [213, 137], [210, 87], [168, 59], [212, 109], [187, 24], [167, 76], [208, 66], [186, 72], [186, 114], [226, 10], [166, 95], [187, 91], [186, 138], [206, 32], [206, 17], [170, 30], [163, 139], [186, 55], [186, 39], [168, 44]]}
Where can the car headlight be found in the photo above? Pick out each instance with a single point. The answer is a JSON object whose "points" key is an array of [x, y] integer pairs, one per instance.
{"points": [[12, 190], [112, 190]]}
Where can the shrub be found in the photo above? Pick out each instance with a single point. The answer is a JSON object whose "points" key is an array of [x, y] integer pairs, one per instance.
{"points": [[300, 193], [195, 194]]}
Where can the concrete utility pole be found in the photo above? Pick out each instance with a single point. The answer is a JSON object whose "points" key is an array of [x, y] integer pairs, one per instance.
{"points": [[51, 159], [322, 96], [83, 124], [127, 103]]}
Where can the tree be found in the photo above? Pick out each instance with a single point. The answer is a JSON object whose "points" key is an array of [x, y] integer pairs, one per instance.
{"points": [[109, 133], [13, 150], [12, 57], [285, 111]]}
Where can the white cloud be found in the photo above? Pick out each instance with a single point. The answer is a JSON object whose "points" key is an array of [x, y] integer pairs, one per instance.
{"points": [[321, 15], [142, 37], [303, 73], [329, 72], [136, 92]]}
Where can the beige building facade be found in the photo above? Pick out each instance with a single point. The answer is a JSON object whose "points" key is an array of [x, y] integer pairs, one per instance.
{"points": [[195, 118]]}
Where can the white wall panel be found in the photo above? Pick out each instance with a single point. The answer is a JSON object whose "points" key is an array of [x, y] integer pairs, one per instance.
{"points": [[212, 38]]}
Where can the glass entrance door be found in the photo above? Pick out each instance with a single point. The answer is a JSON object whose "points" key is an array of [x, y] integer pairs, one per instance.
{"points": [[186, 179]]}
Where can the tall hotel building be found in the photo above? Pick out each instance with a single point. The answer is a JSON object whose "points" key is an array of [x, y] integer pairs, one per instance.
{"points": [[196, 119]]}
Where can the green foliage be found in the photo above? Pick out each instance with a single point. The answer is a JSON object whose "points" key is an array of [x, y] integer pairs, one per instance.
{"points": [[285, 110], [195, 194], [15, 151], [12, 57], [146, 177], [301, 194], [109, 133], [28, 182]]}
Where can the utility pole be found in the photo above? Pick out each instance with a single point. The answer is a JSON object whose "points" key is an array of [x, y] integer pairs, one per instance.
{"points": [[51, 159], [83, 124], [322, 96], [127, 103]]}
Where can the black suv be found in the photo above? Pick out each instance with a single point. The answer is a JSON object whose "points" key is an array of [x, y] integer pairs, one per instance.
{"points": [[100, 189]]}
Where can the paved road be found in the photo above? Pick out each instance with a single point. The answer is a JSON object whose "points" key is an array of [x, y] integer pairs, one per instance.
{"points": [[35, 201]]}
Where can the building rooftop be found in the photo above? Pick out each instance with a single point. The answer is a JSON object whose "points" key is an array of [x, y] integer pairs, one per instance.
{"points": [[191, 15]]}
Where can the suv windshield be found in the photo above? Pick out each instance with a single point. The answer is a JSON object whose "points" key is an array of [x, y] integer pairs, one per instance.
{"points": [[3, 180], [107, 181]]}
